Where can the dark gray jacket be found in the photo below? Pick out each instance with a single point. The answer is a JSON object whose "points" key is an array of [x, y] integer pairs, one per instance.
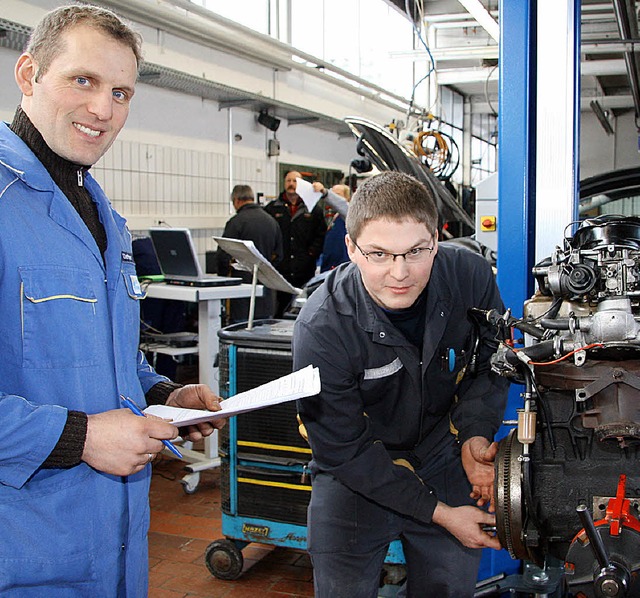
{"points": [[251, 223], [380, 399]]}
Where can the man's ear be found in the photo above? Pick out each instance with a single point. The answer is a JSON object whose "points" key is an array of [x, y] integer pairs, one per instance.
{"points": [[351, 248], [25, 73]]}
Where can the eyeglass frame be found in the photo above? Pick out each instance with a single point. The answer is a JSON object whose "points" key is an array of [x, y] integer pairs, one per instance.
{"points": [[404, 255]]}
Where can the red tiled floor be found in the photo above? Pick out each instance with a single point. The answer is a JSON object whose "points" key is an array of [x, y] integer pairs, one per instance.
{"points": [[182, 526]]}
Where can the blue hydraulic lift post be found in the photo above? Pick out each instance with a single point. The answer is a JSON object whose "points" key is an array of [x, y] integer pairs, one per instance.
{"points": [[517, 149], [516, 152], [577, 93], [516, 161], [516, 180]]}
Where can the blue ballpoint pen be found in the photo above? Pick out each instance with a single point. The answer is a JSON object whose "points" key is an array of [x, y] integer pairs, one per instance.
{"points": [[131, 405]]}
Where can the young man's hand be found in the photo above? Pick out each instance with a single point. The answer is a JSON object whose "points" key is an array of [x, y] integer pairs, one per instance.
{"points": [[478, 455], [466, 523]]}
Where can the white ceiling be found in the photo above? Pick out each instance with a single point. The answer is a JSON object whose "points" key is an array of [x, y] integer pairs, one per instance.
{"points": [[465, 53]]}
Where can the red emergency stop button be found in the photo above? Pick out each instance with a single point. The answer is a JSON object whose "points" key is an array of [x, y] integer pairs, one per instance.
{"points": [[487, 223]]}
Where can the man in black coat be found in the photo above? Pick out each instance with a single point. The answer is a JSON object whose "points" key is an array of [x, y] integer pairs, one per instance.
{"points": [[302, 236], [250, 223]]}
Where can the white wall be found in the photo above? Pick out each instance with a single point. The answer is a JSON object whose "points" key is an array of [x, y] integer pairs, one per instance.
{"points": [[9, 92], [174, 161], [626, 142], [600, 152]]}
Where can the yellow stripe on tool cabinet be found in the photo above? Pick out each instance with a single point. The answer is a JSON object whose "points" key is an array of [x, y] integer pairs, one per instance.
{"points": [[274, 484], [274, 447]]}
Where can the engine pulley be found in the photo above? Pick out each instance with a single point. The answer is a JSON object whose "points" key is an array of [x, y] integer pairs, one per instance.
{"points": [[604, 558]]}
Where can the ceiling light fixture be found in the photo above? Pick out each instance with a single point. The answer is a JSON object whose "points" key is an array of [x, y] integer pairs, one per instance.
{"points": [[480, 14]]}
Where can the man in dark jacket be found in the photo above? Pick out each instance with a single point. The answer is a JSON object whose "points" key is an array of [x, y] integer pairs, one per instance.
{"points": [[302, 236], [401, 432], [250, 223]]}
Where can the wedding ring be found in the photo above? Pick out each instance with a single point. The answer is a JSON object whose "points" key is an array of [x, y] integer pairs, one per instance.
{"points": [[151, 455]]}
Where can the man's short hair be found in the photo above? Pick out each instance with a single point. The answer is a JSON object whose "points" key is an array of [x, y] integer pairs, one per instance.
{"points": [[391, 196], [242, 193], [46, 41]]}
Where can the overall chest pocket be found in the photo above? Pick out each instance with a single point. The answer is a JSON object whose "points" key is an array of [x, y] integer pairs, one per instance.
{"points": [[58, 317], [386, 388]]}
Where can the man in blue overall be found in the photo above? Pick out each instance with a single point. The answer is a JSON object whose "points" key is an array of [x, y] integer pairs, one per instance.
{"points": [[74, 463], [401, 432]]}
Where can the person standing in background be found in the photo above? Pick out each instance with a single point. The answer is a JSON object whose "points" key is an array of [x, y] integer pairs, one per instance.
{"points": [[334, 250], [302, 237], [74, 462], [250, 223]]}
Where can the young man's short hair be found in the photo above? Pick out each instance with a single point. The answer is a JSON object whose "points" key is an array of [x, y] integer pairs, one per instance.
{"points": [[46, 41], [391, 196]]}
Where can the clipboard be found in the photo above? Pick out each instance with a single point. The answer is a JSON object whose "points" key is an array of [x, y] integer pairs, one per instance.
{"points": [[248, 258]]}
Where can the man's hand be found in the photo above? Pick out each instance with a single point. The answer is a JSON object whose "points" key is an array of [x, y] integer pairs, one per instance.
{"points": [[478, 455], [465, 523], [318, 187], [197, 396], [121, 443]]}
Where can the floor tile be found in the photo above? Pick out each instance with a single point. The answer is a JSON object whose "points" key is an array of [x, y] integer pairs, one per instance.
{"points": [[182, 526]]}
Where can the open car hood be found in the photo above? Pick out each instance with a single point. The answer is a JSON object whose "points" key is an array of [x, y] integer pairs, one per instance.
{"points": [[386, 153], [607, 187]]}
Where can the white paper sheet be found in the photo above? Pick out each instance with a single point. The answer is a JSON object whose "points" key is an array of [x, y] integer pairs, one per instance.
{"points": [[299, 384], [305, 190]]}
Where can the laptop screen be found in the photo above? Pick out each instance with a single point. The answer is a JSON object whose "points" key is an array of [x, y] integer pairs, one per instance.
{"points": [[175, 251]]}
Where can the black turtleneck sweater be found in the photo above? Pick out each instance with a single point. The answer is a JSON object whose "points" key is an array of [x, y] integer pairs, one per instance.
{"points": [[411, 321], [70, 179], [68, 176]]}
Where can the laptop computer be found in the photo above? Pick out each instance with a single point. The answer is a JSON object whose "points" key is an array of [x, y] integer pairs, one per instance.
{"points": [[178, 259]]}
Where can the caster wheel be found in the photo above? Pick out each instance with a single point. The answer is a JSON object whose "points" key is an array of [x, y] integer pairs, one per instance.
{"points": [[224, 560], [189, 488], [190, 482]]}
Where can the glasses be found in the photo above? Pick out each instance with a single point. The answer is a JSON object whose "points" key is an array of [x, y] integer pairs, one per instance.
{"points": [[413, 256]]}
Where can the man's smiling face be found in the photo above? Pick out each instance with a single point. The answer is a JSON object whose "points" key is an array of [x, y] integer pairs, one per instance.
{"points": [[81, 102]]}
